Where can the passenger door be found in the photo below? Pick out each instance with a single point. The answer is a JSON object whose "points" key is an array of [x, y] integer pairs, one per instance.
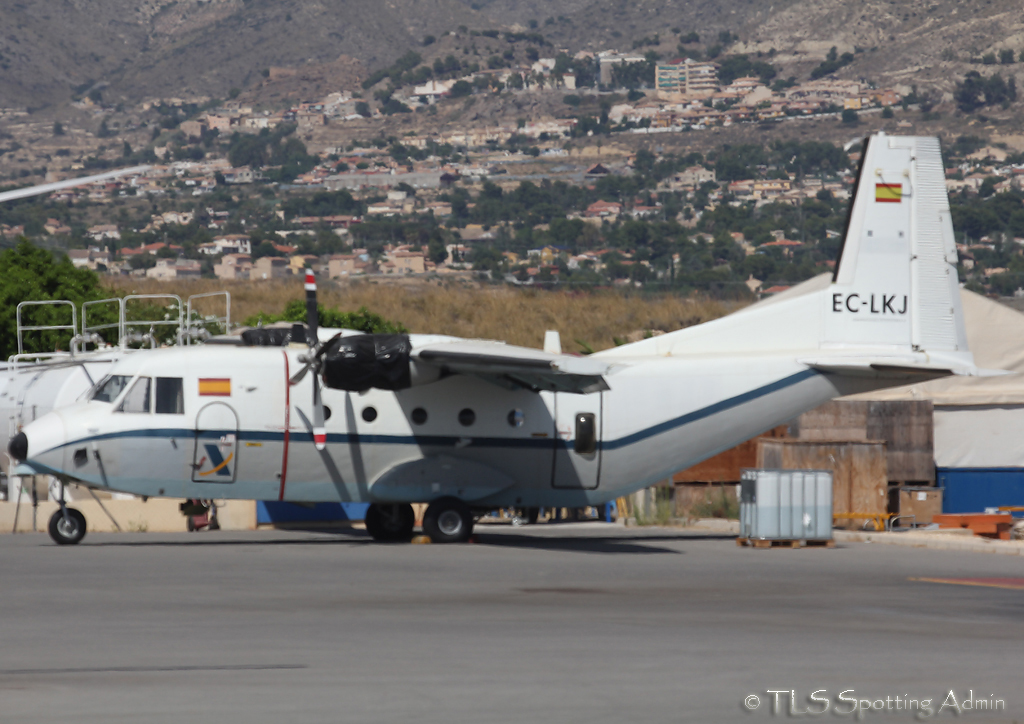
{"points": [[578, 421], [215, 459]]}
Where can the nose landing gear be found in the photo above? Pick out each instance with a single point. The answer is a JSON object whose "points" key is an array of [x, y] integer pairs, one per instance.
{"points": [[67, 526]]}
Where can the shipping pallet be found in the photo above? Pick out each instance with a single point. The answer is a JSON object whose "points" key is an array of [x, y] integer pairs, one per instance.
{"points": [[785, 543]]}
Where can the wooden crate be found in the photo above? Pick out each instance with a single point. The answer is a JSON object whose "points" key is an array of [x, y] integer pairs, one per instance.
{"points": [[859, 475], [922, 503], [906, 427], [726, 466]]}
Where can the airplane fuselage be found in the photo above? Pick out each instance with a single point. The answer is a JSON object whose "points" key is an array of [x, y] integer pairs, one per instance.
{"points": [[246, 433]]}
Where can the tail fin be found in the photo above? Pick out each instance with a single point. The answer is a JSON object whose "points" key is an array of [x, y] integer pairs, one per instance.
{"points": [[894, 298], [896, 281]]}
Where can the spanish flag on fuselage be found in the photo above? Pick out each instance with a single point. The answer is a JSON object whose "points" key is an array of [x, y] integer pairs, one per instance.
{"points": [[215, 386], [889, 193]]}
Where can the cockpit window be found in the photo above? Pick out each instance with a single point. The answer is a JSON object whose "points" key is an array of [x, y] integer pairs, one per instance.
{"points": [[110, 387], [169, 396], [137, 399]]}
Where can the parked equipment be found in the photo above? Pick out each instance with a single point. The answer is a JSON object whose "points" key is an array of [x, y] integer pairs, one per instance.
{"points": [[793, 506]]}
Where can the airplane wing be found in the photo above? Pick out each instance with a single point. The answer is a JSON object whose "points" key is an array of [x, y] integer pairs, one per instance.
{"points": [[69, 183], [515, 367]]}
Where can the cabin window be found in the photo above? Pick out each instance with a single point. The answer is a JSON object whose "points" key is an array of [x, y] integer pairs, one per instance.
{"points": [[137, 399], [467, 417], [419, 416], [516, 418], [170, 396], [110, 387], [586, 433], [369, 414]]}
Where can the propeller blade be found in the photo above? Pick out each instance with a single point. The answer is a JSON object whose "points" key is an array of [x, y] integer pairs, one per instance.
{"points": [[297, 377], [319, 432], [312, 314]]}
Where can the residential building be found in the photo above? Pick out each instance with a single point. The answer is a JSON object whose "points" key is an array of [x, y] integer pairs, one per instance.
{"points": [[242, 175], [104, 231], [168, 269], [346, 265], [269, 267], [227, 244], [408, 262], [686, 79], [233, 266], [604, 210]]}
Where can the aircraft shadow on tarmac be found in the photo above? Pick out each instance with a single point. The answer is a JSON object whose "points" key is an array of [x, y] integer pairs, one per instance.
{"points": [[640, 544]]}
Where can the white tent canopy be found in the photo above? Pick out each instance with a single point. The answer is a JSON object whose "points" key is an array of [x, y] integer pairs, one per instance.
{"points": [[995, 334]]}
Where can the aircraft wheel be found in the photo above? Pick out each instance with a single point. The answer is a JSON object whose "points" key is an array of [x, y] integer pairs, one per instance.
{"points": [[448, 520], [67, 532], [390, 522], [532, 514]]}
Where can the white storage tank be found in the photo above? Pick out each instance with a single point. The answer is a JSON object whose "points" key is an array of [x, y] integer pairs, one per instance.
{"points": [[793, 505]]}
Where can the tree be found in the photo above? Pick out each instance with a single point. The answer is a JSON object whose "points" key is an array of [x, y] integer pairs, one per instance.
{"points": [[33, 274], [362, 320], [1006, 57], [460, 89], [58, 128], [850, 117], [436, 249], [363, 109]]}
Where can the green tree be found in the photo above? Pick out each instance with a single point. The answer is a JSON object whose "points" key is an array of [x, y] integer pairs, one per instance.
{"points": [[362, 319], [32, 274], [460, 89]]}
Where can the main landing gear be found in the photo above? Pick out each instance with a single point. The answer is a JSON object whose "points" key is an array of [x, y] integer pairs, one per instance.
{"points": [[390, 522], [446, 520]]}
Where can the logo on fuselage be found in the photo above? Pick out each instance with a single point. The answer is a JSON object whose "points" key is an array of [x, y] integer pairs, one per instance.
{"points": [[218, 461]]}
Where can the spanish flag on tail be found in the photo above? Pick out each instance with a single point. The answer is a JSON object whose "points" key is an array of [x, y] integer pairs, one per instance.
{"points": [[889, 193]]}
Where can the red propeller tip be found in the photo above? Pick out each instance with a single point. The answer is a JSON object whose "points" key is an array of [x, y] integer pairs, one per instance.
{"points": [[310, 282]]}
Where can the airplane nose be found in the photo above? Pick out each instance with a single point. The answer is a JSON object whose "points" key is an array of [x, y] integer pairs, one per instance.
{"points": [[19, 446]]}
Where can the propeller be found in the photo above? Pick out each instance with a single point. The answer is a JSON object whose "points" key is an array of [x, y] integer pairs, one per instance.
{"points": [[313, 360]]}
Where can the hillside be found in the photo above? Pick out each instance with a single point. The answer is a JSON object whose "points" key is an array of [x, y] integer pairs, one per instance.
{"points": [[130, 51]]}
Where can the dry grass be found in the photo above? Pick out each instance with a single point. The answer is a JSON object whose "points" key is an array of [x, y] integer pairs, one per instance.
{"points": [[516, 316]]}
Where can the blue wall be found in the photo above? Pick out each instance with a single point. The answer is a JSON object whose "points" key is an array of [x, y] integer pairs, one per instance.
{"points": [[971, 490], [272, 511]]}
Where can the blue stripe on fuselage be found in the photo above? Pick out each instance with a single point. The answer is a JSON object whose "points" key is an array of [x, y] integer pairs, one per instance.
{"points": [[477, 442]]}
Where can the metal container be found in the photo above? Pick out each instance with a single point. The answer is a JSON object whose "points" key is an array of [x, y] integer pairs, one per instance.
{"points": [[786, 504]]}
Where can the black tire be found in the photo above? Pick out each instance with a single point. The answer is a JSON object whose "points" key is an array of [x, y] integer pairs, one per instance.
{"points": [[532, 514], [390, 522], [448, 520], [70, 532]]}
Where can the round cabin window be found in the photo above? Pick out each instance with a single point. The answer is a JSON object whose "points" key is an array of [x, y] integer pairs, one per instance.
{"points": [[419, 415], [369, 414], [516, 418], [467, 417]]}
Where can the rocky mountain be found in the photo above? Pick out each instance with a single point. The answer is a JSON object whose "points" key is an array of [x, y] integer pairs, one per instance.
{"points": [[133, 49]]}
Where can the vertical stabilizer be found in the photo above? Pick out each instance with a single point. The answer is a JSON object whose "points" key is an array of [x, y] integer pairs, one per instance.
{"points": [[896, 281]]}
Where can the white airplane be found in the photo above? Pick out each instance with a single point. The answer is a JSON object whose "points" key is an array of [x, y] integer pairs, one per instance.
{"points": [[468, 425]]}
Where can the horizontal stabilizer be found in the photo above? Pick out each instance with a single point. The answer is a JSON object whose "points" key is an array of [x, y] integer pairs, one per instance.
{"points": [[893, 368]]}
